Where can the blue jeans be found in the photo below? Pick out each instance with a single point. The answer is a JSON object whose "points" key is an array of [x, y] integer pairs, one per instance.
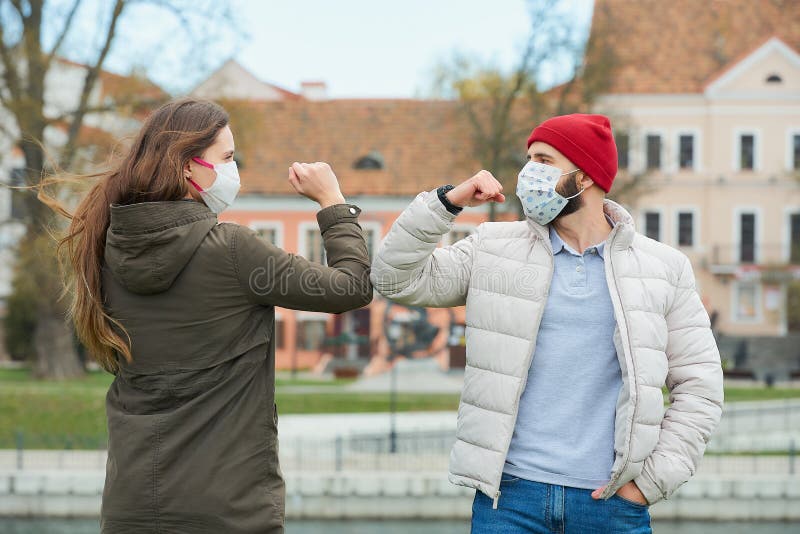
{"points": [[527, 507]]}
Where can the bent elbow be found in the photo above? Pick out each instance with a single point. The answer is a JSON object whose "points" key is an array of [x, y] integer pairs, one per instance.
{"points": [[387, 282], [353, 302], [366, 297]]}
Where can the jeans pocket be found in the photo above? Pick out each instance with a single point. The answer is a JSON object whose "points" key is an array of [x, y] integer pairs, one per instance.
{"points": [[630, 502], [508, 479]]}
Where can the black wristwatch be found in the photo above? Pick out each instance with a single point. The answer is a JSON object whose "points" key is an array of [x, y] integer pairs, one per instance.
{"points": [[449, 206]]}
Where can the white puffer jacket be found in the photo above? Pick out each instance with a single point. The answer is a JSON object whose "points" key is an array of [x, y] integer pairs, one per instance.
{"points": [[502, 273]]}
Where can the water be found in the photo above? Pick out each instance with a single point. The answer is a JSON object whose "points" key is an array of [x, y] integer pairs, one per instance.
{"points": [[64, 526]]}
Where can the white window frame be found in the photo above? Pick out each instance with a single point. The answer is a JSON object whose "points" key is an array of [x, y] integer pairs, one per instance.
{"points": [[697, 150], [759, 302], [302, 242], [663, 156], [662, 221], [737, 149], [373, 226], [458, 227], [269, 225], [631, 139], [636, 159], [738, 211], [788, 211], [306, 316], [790, 133], [695, 211]]}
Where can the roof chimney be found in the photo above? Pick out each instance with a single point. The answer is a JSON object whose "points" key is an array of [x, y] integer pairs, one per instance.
{"points": [[314, 90]]}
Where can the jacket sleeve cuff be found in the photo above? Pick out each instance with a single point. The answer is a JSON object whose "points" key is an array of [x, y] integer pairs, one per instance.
{"points": [[337, 213], [649, 489], [436, 207]]}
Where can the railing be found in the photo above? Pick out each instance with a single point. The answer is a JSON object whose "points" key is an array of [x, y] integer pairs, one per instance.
{"points": [[759, 419], [759, 254], [420, 451], [753, 438]]}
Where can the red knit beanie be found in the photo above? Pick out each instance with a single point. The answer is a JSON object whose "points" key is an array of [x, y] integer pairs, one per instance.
{"points": [[586, 140]]}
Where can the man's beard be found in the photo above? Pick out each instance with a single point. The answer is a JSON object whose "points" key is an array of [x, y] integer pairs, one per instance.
{"points": [[569, 189]]}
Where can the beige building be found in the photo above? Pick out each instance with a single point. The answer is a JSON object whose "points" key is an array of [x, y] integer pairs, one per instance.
{"points": [[722, 167], [705, 100]]}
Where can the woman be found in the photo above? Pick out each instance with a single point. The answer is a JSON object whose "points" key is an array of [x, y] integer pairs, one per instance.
{"points": [[181, 309]]}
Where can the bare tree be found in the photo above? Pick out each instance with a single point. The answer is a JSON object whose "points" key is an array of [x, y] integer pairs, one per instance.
{"points": [[501, 107], [25, 64]]}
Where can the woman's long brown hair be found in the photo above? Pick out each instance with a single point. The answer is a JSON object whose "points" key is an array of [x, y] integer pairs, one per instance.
{"points": [[152, 170]]}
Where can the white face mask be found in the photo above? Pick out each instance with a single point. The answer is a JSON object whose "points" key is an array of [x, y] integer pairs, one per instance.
{"points": [[226, 186], [536, 189]]}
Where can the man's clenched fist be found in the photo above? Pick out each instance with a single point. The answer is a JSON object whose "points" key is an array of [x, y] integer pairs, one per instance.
{"points": [[480, 189]]}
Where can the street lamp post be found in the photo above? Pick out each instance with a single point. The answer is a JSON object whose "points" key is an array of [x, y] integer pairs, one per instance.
{"points": [[393, 411]]}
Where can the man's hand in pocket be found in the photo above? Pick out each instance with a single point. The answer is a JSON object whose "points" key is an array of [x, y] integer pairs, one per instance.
{"points": [[629, 491]]}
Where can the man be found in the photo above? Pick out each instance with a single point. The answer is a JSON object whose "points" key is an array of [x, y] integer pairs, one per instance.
{"points": [[574, 323]]}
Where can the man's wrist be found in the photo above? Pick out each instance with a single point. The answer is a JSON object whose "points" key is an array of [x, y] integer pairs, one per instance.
{"points": [[449, 206]]}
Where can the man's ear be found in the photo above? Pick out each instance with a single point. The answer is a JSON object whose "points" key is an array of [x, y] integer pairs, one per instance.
{"points": [[583, 181], [586, 180]]}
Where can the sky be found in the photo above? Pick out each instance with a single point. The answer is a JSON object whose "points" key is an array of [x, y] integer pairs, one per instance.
{"points": [[376, 48], [360, 48]]}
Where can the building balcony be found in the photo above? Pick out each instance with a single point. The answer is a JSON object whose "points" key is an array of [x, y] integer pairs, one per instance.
{"points": [[764, 261]]}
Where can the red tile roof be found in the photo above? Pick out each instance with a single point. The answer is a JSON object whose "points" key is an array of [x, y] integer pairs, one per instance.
{"points": [[423, 143], [658, 46], [678, 46]]}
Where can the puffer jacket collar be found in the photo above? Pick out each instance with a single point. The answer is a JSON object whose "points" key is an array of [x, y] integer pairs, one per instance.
{"points": [[624, 227]]}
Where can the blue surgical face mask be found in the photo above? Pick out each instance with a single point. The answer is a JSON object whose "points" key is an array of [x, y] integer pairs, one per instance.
{"points": [[536, 189]]}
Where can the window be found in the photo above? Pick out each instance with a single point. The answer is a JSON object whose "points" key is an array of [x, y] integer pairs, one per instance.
{"points": [[269, 234], [686, 151], [652, 225], [372, 235], [774, 78], [796, 152], [311, 334], [623, 145], [747, 237], [794, 238], [373, 239], [747, 152], [653, 151], [746, 302], [314, 249], [271, 231], [373, 161], [685, 229]]}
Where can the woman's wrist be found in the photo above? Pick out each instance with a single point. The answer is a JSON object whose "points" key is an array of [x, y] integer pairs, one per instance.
{"points": [[331, 201]]}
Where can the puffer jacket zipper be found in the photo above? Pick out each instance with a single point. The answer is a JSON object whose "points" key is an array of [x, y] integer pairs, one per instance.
{"points": [[632, 375]]}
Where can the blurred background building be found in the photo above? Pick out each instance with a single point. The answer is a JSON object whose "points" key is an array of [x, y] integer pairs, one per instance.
{"points": [[705, 101]]}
